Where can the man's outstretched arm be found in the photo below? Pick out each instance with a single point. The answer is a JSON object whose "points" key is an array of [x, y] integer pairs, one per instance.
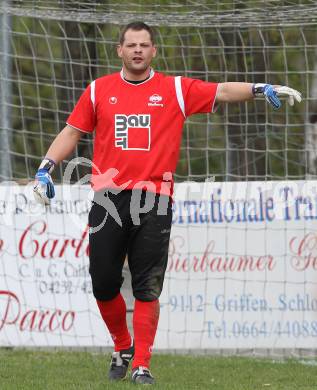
{"points": [[61, 147], [241, 92]]}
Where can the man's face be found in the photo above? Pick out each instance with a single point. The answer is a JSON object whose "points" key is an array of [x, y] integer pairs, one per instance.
{"points": [[136, 51]]}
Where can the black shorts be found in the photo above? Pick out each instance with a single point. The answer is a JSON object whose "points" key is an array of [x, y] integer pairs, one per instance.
{"points": [[144, 237]]}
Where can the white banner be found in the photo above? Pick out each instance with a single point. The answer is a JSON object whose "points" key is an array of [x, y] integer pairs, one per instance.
{"points": [[242, 270]]}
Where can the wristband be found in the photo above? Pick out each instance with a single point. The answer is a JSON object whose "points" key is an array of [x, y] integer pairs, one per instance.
{"points": [[48, 165], [258, 89]]}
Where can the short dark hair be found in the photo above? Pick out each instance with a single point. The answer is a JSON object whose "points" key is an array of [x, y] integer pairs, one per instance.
{"points": [[136, 26]]}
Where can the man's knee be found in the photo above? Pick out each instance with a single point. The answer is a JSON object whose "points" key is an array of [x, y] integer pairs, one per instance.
{"points": [[105, 289], [145, 296], [146, 293], [105, 295], [148, 289]]}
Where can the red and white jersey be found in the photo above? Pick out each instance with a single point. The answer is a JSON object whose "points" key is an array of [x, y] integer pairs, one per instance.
{"points": [[138, 127]]}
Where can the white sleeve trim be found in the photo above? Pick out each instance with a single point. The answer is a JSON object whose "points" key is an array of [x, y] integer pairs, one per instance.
{"points": [[179, 94], [215, 105], [92, 94], [81, 130]]}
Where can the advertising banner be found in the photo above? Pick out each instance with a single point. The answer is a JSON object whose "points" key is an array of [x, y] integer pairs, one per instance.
{"points": [[242, 268]]}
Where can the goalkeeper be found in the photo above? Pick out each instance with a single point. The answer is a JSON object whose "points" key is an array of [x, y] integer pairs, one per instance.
{"points": [[137, 116]]}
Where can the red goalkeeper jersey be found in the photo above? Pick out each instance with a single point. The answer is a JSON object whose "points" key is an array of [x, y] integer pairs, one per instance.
{"points": [[138, 127]]}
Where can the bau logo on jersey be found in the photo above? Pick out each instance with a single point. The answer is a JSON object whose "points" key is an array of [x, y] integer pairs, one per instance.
{"points": [[155, 100], [133, 132]]}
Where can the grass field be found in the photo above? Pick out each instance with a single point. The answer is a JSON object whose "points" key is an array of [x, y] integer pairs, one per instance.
{"points": [[37, 370]]}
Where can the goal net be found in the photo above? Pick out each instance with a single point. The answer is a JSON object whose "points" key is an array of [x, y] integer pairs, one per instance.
{"points": [[242, 270]]}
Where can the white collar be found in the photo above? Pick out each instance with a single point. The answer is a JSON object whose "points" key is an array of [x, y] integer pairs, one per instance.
{"points": [[152, 73]]}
